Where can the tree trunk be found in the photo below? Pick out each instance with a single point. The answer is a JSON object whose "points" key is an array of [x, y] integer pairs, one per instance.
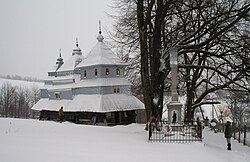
{"points": [[144, 58]]}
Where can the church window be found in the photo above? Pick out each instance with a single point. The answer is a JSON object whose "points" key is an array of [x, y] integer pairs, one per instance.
{"points": [[95, 72], [85, 73], [118, 72], [57, 95], [116, 90], [107, 71]]}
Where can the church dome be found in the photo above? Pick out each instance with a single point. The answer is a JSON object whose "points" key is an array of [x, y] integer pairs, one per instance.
{"points": [[100, 37], [101, 54], [76, 50]]}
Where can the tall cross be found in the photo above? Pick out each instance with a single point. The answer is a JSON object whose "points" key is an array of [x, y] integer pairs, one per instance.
{"points": [[76, 42], [174, 71], [100, 28]]}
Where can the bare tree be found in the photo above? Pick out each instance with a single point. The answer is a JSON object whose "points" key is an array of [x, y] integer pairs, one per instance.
{"points": [[238, 103], [210, 52], [7, 93], [34, 95], [212, 41], [17, 101]]}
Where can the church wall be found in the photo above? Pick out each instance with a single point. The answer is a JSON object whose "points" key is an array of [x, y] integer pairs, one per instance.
{"points": [[48, 82], [111, 90], [44, 93], [101, 72], [112, 71], [90, 72], [87, 90], [102, 90], [66, 94], [108, 119]]}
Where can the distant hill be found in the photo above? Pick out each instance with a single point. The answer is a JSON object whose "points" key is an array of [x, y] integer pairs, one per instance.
{"points": [[21, 83], [18, 77]]}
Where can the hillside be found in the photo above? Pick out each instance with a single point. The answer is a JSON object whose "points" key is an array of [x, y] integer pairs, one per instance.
{"points": [[21, 83]]}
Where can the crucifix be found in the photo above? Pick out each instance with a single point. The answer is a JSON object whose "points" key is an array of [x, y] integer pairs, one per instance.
{"points": [[174, 107], [174, 71]]}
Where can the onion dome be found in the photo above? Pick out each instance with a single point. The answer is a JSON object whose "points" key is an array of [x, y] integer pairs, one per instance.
{"points": [[101, 54], [76, 50], [59, 61], [100, 37]]}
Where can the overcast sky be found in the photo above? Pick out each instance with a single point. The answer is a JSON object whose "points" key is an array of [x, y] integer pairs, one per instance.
{"points": [[33, 31]]}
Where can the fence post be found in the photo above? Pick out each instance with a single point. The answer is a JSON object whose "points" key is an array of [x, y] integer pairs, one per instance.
{"points": [[234, 130], [245, 134], [149, 131], [239, 133], [199, 131]]}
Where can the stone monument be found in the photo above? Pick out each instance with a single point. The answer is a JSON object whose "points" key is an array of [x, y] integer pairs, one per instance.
{"points": [[174, 107]]}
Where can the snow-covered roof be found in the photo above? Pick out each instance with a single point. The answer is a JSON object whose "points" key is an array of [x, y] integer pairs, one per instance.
{"points": [[58, 64], [90, 83], [77, 51], [92, 103], [101, 54], [71, 63], [66, 77], [53, 69]]}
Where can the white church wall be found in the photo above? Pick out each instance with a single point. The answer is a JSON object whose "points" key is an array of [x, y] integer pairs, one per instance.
{"points": [[60, 94], [87, 90], [101, 72], [116, 89]]}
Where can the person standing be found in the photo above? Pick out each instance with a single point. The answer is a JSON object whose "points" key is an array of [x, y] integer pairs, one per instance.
{"points": [[228, 134], [199, 128], [61, 114], [174, 118]]}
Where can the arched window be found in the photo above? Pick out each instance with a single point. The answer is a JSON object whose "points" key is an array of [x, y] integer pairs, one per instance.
{"points": [[118, 72], [95, 72], [107, 71], [85, 73], [114, 90]]}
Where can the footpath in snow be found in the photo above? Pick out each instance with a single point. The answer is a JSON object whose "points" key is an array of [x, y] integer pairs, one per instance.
{"points": [[27, 140]]}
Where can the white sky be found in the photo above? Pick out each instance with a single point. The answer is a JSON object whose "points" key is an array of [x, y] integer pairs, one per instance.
{"points": [[33, 31]]}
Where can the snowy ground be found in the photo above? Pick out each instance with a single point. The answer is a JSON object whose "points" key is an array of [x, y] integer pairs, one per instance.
{"points": [[23, 140]]}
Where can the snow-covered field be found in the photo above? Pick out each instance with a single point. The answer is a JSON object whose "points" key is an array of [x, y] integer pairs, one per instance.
{"points": [[28, 140]]}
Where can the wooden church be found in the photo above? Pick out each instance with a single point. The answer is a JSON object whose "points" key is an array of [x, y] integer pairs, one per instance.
{"points": [[89, 86]]}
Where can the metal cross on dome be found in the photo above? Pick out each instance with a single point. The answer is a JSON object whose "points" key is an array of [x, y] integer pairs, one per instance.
{"points": [[100, 27]]}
